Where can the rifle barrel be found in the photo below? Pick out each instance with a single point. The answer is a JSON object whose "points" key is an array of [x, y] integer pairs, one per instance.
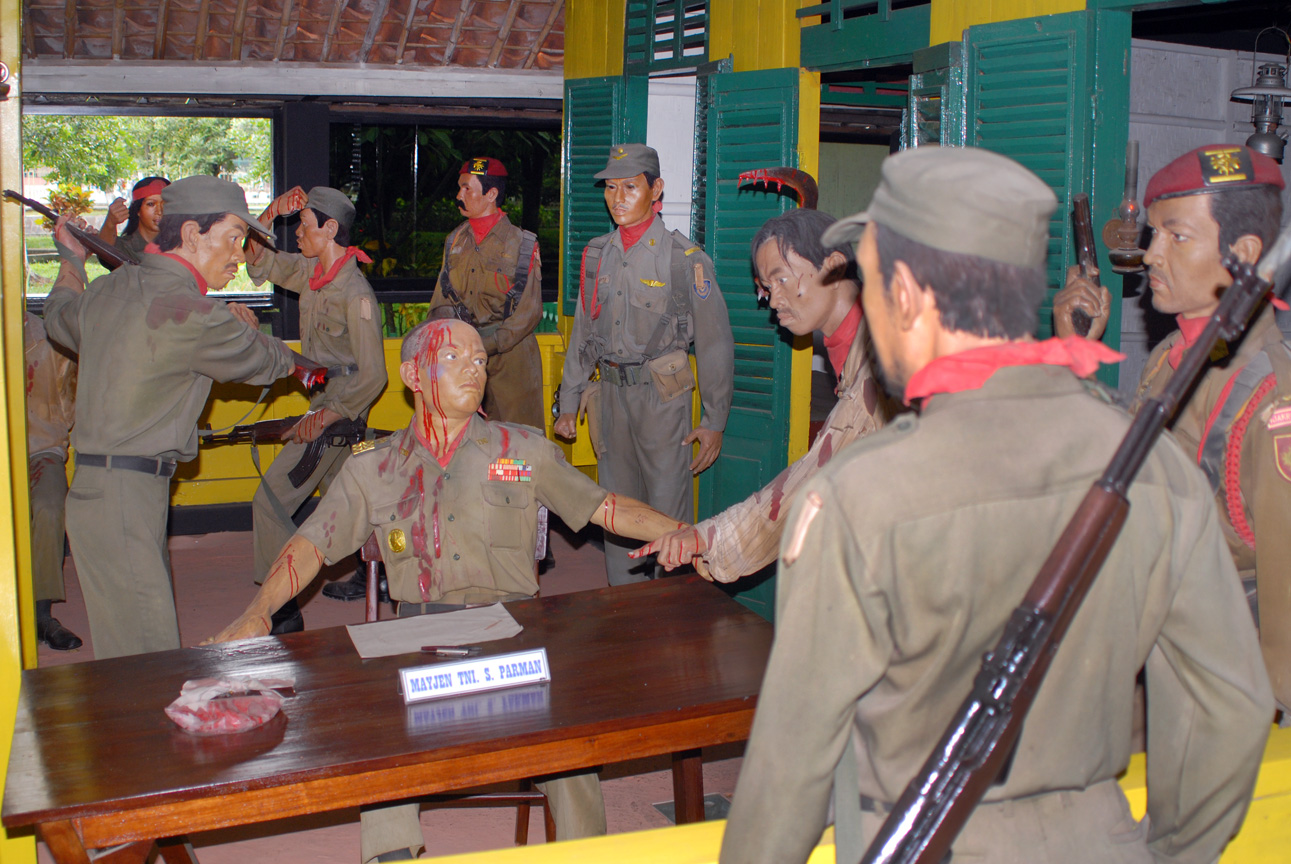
{"points": [[107, 254]]}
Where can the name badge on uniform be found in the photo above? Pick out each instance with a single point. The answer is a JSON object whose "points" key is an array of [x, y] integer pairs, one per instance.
{"points": [[511, 470], [1279, 418], [471, 676]]}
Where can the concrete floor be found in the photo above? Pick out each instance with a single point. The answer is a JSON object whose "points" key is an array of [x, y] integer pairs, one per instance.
{"points": [[213, 585]]}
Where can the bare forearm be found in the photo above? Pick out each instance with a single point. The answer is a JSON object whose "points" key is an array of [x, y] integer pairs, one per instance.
{"points": [[295, 567], [628, 517]]}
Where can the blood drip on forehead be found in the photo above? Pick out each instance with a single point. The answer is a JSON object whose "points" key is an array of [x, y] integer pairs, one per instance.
{"points": [[426, 357]]}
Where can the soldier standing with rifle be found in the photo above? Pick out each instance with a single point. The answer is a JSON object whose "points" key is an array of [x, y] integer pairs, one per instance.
{"points": [[339, 325], [150, 343], [892, 590]]}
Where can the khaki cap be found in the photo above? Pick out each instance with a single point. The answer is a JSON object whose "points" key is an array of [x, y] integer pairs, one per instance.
{"points": [[334, 203], [629, 160], [959, 199], [202, 195]]}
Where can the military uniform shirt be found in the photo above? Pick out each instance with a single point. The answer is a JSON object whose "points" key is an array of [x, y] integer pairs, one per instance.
{"points": [[460, 534], [339, 325], [131, 246], [51, 391], [150, 344], [901, 565]]}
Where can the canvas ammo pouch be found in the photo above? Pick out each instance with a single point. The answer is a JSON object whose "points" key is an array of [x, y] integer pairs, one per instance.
{"points": [[672, 375]]}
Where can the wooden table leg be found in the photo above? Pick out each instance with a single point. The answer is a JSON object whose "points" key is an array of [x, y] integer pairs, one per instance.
{"points": [[688, 786], [126, 853], [64, 843], [177, 850]]}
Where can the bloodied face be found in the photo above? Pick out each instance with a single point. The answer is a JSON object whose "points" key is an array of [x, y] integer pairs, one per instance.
{"points": [[217, 253], [631, 199], [796, 288], [448, 369]]}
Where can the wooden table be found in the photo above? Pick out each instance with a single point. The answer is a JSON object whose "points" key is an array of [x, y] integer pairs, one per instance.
{"points": [[668, 666]]}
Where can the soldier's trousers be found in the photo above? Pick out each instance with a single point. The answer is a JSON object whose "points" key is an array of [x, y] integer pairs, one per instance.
{"points": [[47, 484], [270, 532], [116, 522], [646, 460], [513, 392]]}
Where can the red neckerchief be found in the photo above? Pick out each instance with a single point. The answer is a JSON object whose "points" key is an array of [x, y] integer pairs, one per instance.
{"points": [[839, 343], [968, 370], [319, 279], [482, 226], [1189, 332], [154, 249], [630, 236]]}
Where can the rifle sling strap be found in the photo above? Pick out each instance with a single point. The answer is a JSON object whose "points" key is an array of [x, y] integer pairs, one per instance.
{"points": [[528, 240], [204, 433], [278, 509]]}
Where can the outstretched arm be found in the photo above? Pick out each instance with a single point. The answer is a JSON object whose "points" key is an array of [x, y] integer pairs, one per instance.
{"points": [[296, 566], [628, 517]]}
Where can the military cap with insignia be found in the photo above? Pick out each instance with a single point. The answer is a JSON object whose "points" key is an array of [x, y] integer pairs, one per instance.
{"points": [[629, 160], [203, 195], [483, 166], [332, 203], [1213, 168]]}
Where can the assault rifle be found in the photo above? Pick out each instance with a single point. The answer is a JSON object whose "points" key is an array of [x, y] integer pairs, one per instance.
{"points": [[978, 742], [108, 254], [341, 433]]}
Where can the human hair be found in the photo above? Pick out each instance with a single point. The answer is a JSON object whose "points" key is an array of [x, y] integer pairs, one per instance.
{"points": [[976, 295], [649, 178], [342, 237], [799, 231], [417, 341], [132, 223], [488, 182], [1251, 210], [168, 229]]}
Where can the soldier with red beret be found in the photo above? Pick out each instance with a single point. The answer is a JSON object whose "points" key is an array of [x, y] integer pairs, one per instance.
{"points": [[1212, 201]]}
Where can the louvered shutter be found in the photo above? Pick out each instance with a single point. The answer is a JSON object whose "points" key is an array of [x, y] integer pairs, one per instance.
{"points": [[1030, 97], [599, 113], [664, 34]]}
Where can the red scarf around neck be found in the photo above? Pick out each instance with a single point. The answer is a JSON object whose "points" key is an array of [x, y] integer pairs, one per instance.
{"points": [[839, 343], [154, 249], [481, 227], [631, 235], [1189, 332], [969, 370], [319, 279]]}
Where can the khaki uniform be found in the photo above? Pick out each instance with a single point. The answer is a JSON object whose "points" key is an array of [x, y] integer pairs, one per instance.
{"points": [[131, 246], [150, 345], [481, 276], [457, 534], [340, 324], [1264, 479], [645, 458], [888, 601], [51, 399], [744, 538]]}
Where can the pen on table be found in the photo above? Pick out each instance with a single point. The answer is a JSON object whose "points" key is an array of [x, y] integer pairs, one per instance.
{"points": [[450, 650]]}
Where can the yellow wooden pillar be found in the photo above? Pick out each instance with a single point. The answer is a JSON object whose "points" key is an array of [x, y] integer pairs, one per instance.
{"points": [[15, 534], [949, 18]]}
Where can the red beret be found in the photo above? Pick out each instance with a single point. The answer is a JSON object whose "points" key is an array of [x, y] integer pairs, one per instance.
{"points": [[1211, 169], [483, 166]]}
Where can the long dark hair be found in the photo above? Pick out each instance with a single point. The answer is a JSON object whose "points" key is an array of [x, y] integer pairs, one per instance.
{"points": [[132, 224]]}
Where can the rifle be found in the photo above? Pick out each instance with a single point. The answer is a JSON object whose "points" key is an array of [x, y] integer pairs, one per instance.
{"points": [[341, 433], [979, 741], [111, 258], [1083, 228]]}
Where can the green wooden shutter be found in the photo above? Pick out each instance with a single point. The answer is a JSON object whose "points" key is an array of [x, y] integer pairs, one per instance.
{"points": [[752, 120], [599, 113], [935, 107], [1030, 98], [664, 34]]}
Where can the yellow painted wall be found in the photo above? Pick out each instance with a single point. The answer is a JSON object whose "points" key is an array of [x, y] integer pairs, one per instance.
{"points": [[951, 17], [594, 38], [759, 34]]}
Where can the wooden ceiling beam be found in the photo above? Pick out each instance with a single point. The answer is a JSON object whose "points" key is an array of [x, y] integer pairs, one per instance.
{"points": [[239, 24], [374, 25], [118, 28], [159, 38], [282, 30], [69, 29], [203, 27], [451, 48], [337, 7], [504, 33], [403, 34], [536, 48]]}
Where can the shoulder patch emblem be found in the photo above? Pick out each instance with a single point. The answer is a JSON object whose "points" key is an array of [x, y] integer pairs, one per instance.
{"points": [[365, 309], [1282, 453], [1279, 418], [703, 287]]}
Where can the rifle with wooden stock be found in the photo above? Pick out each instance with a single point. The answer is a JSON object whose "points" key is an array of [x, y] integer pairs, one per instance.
{"points": [[108, 254], [341, 433], [975, 748]]}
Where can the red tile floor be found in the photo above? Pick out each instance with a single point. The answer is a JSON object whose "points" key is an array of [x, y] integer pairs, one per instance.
{"points": [[213, 585]]}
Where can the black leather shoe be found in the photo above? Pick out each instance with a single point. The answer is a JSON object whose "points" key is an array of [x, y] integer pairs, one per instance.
{"points": [[56, 636], [354, 588], [397, 855], [287, 619]]}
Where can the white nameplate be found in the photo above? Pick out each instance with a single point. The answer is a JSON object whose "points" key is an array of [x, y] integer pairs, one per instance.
{"points": [[473, 675]]}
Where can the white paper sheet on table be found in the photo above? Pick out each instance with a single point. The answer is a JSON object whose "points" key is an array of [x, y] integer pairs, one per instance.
{"points": [[408, 635]]}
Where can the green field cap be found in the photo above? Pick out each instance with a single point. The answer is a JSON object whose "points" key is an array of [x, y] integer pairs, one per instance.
{"points": [[334, 203], [202, 195], [959, 199], [629, 160]]}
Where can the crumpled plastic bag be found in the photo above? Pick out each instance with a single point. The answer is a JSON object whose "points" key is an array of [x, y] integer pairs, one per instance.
{"points": [[216, 706]]}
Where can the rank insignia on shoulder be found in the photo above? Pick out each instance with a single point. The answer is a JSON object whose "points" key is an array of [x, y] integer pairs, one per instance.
{"points": [[362, 447], [703, 287], [398, 542], [691, 250], [1279, 418], [1282, 453], [652, 283], [512, 470]]}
